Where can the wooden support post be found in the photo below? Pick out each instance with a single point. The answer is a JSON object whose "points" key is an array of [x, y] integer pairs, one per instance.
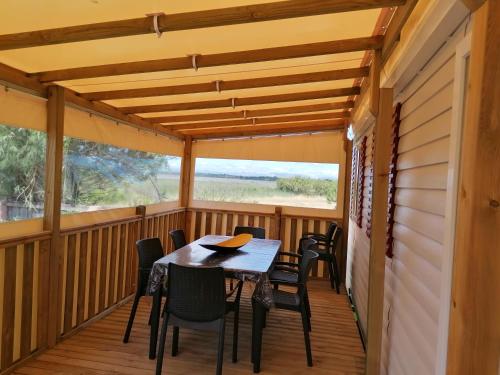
{"points": [[185, 193], [375, 81], [276, 230], [52, 207], [382, 161], [186, 172], [474, 336], [141, 211]]}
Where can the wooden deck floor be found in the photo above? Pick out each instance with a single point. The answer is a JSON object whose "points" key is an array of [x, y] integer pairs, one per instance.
{"points": [[98, 349]]}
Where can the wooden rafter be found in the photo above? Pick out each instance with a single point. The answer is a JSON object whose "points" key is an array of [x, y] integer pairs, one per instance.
{"points": [[252, 113], [217, 59], [256, 121], [244, 131], [239, 84], [395, 26], [188, 21], [237, 102], [110, 111]]}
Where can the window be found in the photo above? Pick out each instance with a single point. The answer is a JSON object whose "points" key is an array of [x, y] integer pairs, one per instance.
{"points": [[98, 176], [311, 185], [22, 167]]}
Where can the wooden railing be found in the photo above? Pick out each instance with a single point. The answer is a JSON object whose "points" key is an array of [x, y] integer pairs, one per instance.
{"points": [[287, 228], [97, 270]]}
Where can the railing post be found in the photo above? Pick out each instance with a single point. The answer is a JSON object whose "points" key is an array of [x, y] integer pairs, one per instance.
{"points": [[141, 211], [277, 223], [52, 204]]}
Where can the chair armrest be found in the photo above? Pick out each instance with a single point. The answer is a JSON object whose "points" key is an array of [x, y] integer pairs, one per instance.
{"points": [[311, 234], [289, 267], [290, 254]]}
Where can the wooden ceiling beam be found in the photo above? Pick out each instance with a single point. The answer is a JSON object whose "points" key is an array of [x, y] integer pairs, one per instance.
{"points": [[237, 102], [188, 21], [217, 86], [217, 59], [245, 131], [256, 121], [393, 33], [251, 113], [107, 110]]}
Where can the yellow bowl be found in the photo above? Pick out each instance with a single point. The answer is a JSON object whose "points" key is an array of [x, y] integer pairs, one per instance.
{"points": [[237, 241]]}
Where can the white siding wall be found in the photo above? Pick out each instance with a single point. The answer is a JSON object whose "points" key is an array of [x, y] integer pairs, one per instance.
{"points": [[359, 244], [413, 275]]}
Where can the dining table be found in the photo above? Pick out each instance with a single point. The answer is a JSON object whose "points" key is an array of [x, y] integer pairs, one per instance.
{"points": [[251, 262]]}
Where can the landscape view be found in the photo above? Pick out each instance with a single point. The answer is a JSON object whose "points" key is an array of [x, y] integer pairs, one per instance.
{"points": [[266, 182]]}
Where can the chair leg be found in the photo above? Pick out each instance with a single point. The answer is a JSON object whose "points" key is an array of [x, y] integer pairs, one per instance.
{"points": [[175, 341], [259, 313], [155, 322], [336, 274], [305, 326], [131, 318], [235, 334], [332, 275], [161, 349], [220, 351], [308, 309]]}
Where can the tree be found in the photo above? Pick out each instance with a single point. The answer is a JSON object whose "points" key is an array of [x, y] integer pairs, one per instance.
{"points": [[22, 165]]}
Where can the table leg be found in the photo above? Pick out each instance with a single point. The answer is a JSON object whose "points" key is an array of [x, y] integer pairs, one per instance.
{"points": [[259, 312], [155, 321]]}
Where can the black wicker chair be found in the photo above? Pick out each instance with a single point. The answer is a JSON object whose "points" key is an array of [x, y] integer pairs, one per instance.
{"points": [[287, 273], [197, 299], [256, 232], [327, 245], [293, 301], [178, 238], [149, 251]]}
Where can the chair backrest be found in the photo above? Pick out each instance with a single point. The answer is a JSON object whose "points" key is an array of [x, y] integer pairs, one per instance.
{"points": [[335, 240], [256, 232], [196, 294], [178, 238], [149, 251], [306, 263], [330, 232]]}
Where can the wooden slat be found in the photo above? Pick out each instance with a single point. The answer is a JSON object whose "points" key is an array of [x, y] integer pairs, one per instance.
{"points": [[103, 276], [252, 113], [70, 280], [93, 272], [238, 102], [9, 296], [188, 21], [243, 131], [43, 293], [27, 299], [80, 307], [257, 121], [112, 265], [249, 83]]}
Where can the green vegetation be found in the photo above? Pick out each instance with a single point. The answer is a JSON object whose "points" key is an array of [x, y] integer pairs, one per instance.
{"points": [[22, 165], [295, 191], [309, 186]]}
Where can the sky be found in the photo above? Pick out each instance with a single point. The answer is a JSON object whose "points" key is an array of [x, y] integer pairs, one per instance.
{"points": [[267, 168]]}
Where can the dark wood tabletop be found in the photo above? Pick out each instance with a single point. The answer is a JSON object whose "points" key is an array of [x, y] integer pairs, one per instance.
{"points": [[257, 256]]}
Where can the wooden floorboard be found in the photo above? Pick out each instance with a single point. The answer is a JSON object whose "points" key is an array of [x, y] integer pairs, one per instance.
{"points": [[98, 349]]}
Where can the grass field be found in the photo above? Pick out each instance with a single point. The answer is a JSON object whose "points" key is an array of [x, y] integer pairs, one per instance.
{"points": [[253, 191]]}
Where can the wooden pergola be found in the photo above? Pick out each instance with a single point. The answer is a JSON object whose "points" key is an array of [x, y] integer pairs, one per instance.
{"points": [[255, 89]]}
